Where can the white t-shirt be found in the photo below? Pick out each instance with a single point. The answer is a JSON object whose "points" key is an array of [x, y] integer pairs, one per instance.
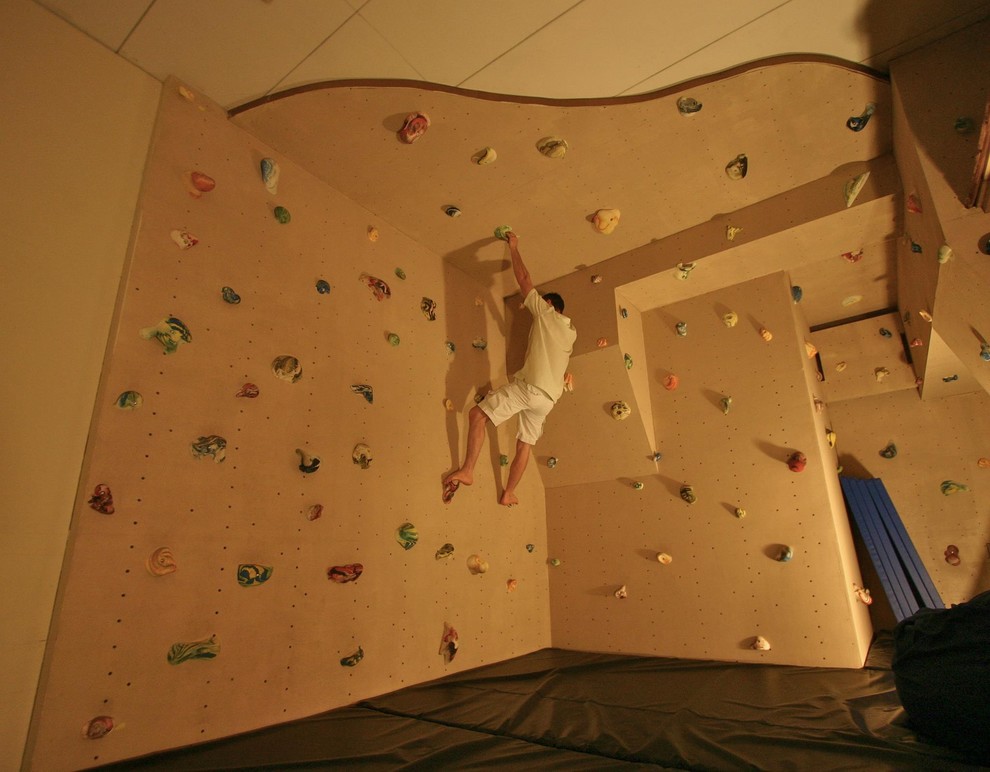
{"points": [[551, 341]]}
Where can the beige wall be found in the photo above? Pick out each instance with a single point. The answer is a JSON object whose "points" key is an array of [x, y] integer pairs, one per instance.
{"points": [[74, 134], [724, 586], [281, 642]]}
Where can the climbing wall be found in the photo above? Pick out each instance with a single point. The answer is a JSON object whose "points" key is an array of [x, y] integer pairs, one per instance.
{"points": [[934, 441], [720, 542], [232, 564]]}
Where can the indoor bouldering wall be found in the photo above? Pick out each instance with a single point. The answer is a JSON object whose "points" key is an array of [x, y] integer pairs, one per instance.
{"points": [[721, 542], [259, 534]]}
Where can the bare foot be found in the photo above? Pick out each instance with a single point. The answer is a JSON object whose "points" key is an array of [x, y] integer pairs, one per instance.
{"points": [[508, 499], [460, 476]]}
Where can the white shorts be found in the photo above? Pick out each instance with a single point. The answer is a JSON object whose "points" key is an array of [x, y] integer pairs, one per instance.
{"points": [[532, 405]]}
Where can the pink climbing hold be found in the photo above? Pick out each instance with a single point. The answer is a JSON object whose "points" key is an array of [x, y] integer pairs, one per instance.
{"points": [[797, 461], [414, 127]]}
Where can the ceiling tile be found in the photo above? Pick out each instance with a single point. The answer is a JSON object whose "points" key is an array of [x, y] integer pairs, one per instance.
{"points": [[231, 50], [355, 51], [456, 38], [109, 21], [601, 48]]}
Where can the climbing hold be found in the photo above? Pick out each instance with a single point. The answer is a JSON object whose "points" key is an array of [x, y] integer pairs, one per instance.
{"points": [[323, 286], [620, 410], [414, 127], [736, 168], [248, 391], [683, 270], [365, 391], [916, 342], [852, 257], [452, 211], [373, 234], [502, 232], [984, 244], [726, 403], [530, 547], [211, 445], [253, 574], [983, 463], [819, 405], [552, 147], [606, 220], [687, 493], [282, 214], [551, 462], [688, 105], [270, 172], [889, 451], [161, 562], [913, 204], [361, 455], [830, 438], [925, 315], [485, 156], [286, 368], [479, 398], [766, 334], [448, 643], [555, 562], [392, 338], [628, 361], [97, 727], [657, 456], [602, 342], [881, 373], [760, 643], [671, 382], [664, 559], [863, 595], [952, 555], [477, 565], [885, 333], [503, 460], [985, 352], [169, 332], [378, 288], [400, 273], [183, 652], [200, 184], [622, 593], [731, 231], [183, 239], [352, 659], [479, 343], [102, 500], [448, 404], [510, 585], [315, 512], [307, 463], [186, 94], [569, 382], [797, 293], [797, 461], [858, 122], [785, 554], [345, 574], [445, 551], [129, 400], [948, 487], [854, 186], [624, 313], [810, 349], [840, 366], [229, 296], [730, 319], [964, 125], [740, 512], [945, 254], [407, 536], [429, 309], [681, 329], [851, 300], [638, 486], [597, 278], [915, 246]]}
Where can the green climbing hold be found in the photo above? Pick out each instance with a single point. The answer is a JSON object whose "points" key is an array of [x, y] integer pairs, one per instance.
{"points": [[282, 214]]}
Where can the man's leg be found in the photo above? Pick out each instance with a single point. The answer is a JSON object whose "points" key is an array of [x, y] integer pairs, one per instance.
{"points": [[477, 425], [519, 462]]}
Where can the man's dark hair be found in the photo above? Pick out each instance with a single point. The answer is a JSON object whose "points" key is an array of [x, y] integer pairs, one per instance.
{"points": [[556, 301]]}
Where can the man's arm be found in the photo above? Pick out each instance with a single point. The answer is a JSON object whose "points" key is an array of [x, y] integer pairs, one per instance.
{"points": [[518, 267]]}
